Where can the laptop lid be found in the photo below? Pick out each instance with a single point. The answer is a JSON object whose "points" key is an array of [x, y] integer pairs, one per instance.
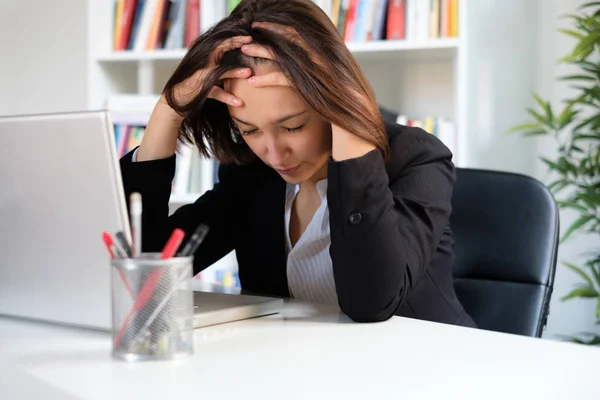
{"points": [[60, 188]]}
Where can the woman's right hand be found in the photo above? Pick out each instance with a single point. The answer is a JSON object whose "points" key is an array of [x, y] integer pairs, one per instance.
{"points": [[162, 131]]}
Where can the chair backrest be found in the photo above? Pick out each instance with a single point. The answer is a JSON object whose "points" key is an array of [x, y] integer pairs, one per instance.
{"points": [[506, 229]]}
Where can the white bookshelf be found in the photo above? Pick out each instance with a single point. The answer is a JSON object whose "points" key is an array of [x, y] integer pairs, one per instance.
{"points": [[435, 48]]}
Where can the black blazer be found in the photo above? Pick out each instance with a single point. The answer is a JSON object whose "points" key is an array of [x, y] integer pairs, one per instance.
{"points": [[391, 244]]}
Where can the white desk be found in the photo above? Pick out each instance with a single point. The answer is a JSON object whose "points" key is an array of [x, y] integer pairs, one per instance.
{"points": [[307, 352]]}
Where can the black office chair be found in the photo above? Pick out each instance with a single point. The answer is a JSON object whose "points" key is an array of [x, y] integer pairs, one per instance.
{"points": [[506, 229]]}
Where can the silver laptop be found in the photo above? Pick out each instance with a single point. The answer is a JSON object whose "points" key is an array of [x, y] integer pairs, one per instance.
{"points": [[60, 188]]}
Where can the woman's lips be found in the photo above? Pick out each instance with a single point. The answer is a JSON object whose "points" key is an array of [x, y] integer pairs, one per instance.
{"points": [[288, 171]]}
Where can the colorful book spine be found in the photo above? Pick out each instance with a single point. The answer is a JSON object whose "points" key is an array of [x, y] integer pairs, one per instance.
{"points": [[441, 127], [173, 24], [128, 137]]}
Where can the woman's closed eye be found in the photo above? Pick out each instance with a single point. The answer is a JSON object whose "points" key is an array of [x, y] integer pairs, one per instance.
{"points": [[296, 129], [291, 130], [249, 132]]}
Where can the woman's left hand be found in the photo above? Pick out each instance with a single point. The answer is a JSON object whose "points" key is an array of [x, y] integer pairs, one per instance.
{"points": [[345, 145]]}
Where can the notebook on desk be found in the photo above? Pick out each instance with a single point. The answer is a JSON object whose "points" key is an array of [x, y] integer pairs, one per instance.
{"points": [[61, 188]]}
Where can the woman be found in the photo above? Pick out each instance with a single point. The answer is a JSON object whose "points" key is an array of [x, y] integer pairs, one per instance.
{"points": [[319, 199]]}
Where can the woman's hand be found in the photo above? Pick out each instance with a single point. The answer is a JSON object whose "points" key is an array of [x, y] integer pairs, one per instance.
{"points": [[345, 145], [160, 138], [188, 89]]}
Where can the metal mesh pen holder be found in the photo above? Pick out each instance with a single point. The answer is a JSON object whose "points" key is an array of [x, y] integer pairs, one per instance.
{"points": [[152, 308]]}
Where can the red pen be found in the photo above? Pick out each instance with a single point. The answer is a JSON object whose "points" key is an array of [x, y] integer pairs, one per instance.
{"points": [[108, 241], [172, 244], [140, 302]]}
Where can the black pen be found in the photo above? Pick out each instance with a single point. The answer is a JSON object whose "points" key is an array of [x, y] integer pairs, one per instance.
{"points": [[194, 242], [122, 240]]}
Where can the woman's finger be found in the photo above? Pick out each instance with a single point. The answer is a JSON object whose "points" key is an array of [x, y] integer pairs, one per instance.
{"points": [[233, 42], [271, 79], [237, 73], [225, 97], [257, 50], [226, 45]]}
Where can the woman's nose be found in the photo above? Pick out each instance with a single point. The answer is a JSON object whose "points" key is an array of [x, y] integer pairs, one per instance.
{"points": [[277, 152]]}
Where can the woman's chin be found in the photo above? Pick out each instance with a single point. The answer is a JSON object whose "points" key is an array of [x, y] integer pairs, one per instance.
{"points": [[293, 180], [296, 176]]}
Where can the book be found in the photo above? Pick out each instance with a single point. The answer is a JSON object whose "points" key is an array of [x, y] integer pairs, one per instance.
{"points": [[143, 25]]}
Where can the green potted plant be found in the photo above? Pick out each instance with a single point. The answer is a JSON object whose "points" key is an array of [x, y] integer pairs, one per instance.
{"points": [[576, 129]]}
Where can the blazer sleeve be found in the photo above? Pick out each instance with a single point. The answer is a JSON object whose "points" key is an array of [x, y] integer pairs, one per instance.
{"points": [[153, 180], [384, 231]]}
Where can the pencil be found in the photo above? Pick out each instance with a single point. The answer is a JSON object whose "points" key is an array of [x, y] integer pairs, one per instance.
{"points": [[135, 208]]}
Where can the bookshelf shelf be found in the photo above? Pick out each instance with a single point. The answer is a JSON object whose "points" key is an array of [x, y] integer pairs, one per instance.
{"points": [[427, 48], [402, 45], [133, 56]]}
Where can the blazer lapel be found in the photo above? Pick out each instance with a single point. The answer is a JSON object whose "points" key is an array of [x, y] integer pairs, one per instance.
{"points": [[266, 239], [275, 231]]}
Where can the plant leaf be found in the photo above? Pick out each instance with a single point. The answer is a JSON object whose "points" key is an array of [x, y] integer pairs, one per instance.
{"points": [[592, 70], [571, 204], [554, 166], [558, 185], [566, 116], [577, 78], [598, 310], [585, 46], [581, 99], [580, 222], [593, 341], [591, 199], [593, 338], [568, 165], [576, 149], [547, 109], [581, 136], [593, 120], [594, 261], [523, 127], [595, 272], [590, 4], [538, 117], [583, 291], [570, 32], [580, 272]]}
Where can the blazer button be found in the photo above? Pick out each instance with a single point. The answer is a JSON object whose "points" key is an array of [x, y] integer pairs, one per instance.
{"points": [[355, 218]]}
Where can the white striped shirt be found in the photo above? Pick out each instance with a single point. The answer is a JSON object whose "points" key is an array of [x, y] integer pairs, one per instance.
{"points": [[309, 266]]}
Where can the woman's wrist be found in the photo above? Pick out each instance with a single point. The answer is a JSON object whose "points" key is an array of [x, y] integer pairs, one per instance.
{"points": [[163, 108], [162, 132]]}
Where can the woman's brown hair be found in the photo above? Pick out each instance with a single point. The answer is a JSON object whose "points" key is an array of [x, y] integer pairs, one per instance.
{"points": [[318, 65]]}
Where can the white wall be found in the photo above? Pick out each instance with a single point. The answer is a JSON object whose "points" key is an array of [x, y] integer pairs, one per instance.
{"points": [[575, 315], [500, 70], [44, 56]]}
